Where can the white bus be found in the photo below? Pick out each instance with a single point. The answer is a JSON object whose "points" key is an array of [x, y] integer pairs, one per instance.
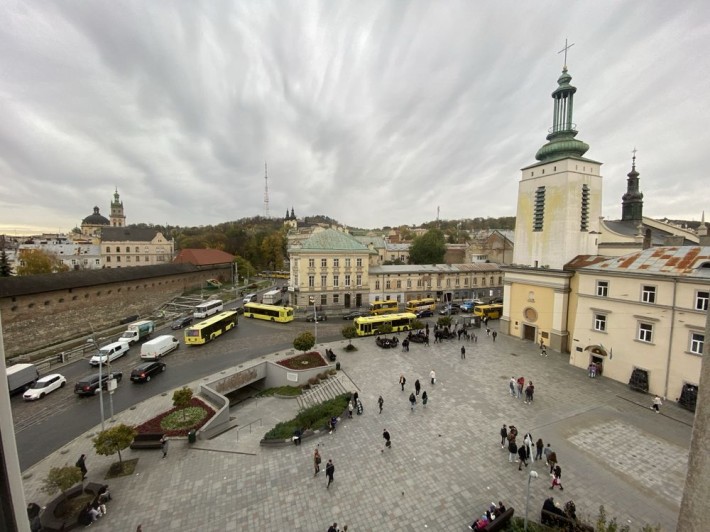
{"points": [[272, 297], [203, 310]]}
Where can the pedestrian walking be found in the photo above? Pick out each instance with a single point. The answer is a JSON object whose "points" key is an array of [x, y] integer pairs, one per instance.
{"points": [[412, 400], [543, 349], [164, 446], [316, 462], [425, 398], [402, 381], [529, 391], [547, 452], [432, 376], [557, 478], [417, 386], [528, 443], [552, 461], [359, 407], [380, 402], [512, 450], [350, 409], [503, 436], [512, 385], [657, 404], [329, 471], [333, 527], [81, 464], [463, 352], [522, 457], [539, 445], [488, 331], [521, 385], [494, 334], [386, 436]]}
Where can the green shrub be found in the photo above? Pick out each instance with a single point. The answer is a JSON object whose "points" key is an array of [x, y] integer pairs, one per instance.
{"points": [[313, 381], [315, 417]]}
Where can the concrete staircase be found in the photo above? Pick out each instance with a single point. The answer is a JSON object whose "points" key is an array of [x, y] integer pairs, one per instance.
{"points": [[322, 392]]}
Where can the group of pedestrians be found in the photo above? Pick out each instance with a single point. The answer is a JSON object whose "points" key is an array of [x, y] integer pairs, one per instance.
{"points": [[522, 453], [517, 389], [417, 390]]}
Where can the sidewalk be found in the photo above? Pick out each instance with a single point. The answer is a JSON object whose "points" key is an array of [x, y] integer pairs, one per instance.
{"points": [[445, 465]]}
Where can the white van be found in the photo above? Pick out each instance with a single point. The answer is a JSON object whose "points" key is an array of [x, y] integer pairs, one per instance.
{"points": [[109, 353], [159, 347], [250, 298]]}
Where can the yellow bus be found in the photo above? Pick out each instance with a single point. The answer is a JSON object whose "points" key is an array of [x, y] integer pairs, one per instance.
{"points": [[211, 328], [492, 312], [368, 325], [268, 312], [384, 307], [415, 305]]}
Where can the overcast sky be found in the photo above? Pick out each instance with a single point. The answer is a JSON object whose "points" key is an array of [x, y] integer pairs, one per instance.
{"points": [[372, 112]]}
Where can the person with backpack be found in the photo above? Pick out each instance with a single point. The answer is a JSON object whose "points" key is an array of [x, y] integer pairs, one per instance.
{"points": [[316, 462], [412, 400]]}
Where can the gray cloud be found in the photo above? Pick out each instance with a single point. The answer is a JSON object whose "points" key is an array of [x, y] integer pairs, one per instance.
{"points": [[372, 112]]}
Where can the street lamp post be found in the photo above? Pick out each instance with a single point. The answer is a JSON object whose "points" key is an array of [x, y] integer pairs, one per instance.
{"points": [[531, 475], [92, 340], [315, 318]]}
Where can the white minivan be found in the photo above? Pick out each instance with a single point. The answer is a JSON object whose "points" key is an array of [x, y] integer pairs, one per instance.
{"points": [[159, 347], [250, 298], [109, 353]]}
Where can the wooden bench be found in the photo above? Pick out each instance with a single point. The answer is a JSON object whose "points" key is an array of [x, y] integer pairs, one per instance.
{"points": [[147, 440], [499, 522]]}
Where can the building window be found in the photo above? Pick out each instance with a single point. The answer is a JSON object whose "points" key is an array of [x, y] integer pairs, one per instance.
{"points": [[358, 280], [697, 342], [409, 283], [324, 299], [97, 261], [347, 263], [323, 280], [483, 281], [465, 281], [324, 263], [646, 332], [377, 284], [108, 259], [600, 322], [701, 300], [118, 249], [138, 250], [438, 282], [399, 284], [128, 258], [118, 259], [108, 249], [336, 281], [347, 280], [336, 263], [311, 263], [539, 210], [603, 288], [146, 258], [387, 284], [492, 280], [138, 258], [336, 299], [448, 283], [475, 281], [358, 263], [584, 214], [311, 281], [500, 279], [648, 294]]}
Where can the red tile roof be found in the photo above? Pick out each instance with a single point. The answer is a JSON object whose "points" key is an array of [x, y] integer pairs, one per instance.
{"points": [[204, 257]]}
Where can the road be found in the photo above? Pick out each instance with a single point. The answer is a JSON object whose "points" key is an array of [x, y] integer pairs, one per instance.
{"points": [[43, 426]]}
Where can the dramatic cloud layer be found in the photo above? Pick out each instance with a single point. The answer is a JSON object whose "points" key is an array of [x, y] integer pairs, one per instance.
{"points": [[372, 112]]}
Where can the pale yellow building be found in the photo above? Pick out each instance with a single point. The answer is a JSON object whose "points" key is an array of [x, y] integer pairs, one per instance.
{"points": [[122, 247]]}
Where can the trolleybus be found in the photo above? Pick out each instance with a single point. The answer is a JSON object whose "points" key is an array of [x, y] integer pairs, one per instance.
{"points": [[268, 312], [368, 325], [492, 312], [211, 328], [384, 307], [416, 305]]}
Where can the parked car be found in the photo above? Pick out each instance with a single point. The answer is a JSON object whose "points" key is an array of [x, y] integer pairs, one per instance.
{"points": [[144, 372], [239, 310], [181, 322], [425, 313], [449, 310], [89, 385], [355, 314], [43, 386], [317, 317]]}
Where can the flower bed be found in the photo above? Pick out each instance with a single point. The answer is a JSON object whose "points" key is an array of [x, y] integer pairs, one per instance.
{"points": [[154, 424], [309, 360]]}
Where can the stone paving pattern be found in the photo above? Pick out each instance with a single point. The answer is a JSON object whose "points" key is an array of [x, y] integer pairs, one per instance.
{"points": [[445, 466]]}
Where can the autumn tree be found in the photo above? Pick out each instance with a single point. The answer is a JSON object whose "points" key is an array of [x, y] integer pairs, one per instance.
{"points": [[272, 250], [114, 440], [61, 479], [182, 398], [349, 332], [36, 261], [304, 341], [429, 248], [244, 267]]}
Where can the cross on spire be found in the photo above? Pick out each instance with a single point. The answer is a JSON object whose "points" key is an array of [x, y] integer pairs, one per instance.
{"points": [[565, 51], [633, 159]]}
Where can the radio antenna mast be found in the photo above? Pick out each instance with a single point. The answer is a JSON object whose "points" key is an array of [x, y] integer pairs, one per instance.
{"points": [[266, 192]]}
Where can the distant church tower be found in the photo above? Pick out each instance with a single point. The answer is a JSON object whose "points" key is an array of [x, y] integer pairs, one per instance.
{"points": [[118, 219], [559, 197], [632, 201]]}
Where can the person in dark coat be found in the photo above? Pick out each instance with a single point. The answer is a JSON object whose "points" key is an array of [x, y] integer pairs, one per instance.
{"points": [[329, 472], [503, 436], [523, 455], [412, 401], [417, 386], [538, 449], [386, 436], [425, 398], [81, 464], [512, 449]]}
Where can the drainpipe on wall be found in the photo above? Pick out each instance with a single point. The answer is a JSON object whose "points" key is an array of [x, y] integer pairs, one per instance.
{"points": [[670, 340]]}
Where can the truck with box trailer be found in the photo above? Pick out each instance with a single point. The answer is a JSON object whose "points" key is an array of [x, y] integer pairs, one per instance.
{"points": [[21, 376], [140, 330]]}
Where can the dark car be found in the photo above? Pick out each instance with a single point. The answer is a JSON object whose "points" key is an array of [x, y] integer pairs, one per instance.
{"points": [[354, 314], [144, 372], [317, 317], [425, 313], [449, 310], [89, 385], [239, 310], [181, 322]]}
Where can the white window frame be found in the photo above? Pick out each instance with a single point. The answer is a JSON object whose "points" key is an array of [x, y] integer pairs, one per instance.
{"points": [[311, 281], [600, 322], [336, 281], [358, 262], [697, 343], [648, 293], [602, 289], [324, 280], [324, 263], [311, 263], [347, 262], [336, 263], [358, 279], [645, 332], [347, 279], [701, 300]]}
